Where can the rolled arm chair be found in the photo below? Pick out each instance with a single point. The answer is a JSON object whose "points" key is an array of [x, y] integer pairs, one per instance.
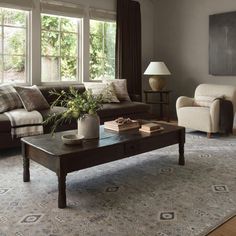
{"points": [[206, 117]]}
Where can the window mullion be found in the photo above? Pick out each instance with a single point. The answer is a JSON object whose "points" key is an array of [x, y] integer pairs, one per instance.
{"points": [[77, 52], [3, 63], [60, 50], [2, 56], [103, 47]]}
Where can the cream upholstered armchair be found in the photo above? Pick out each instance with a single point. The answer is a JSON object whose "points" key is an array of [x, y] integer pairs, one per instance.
{"points": [[202, 112]]}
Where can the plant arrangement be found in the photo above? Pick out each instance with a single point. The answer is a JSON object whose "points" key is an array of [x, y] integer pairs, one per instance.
{"points": [[77, 106]]}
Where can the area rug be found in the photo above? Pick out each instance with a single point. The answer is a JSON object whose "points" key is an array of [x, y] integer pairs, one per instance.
{"points": [[148, 194], [226, 227]]}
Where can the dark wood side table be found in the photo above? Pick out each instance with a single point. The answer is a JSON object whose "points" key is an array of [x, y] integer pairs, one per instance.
{"points": [[163, 101]]}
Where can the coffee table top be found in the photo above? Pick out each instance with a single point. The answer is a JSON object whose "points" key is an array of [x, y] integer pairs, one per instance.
{"points": [[53, 145]]}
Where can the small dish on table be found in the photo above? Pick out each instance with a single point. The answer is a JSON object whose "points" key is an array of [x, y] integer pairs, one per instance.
{"points": [[72, 139]]}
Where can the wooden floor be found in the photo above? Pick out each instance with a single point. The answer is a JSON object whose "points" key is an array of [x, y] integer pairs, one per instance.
{"points": [[226, 229]]}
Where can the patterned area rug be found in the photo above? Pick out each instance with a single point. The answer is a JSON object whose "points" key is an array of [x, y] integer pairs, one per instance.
{"points": [[148, 194]]}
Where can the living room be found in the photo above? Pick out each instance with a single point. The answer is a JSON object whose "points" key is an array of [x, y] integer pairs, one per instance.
{"points": [[163, 179]]}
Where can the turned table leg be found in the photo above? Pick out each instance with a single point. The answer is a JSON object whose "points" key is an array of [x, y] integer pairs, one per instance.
{"points": [[61, 190], [181, 154], [26, 165], [26, 172], [181, 148]]}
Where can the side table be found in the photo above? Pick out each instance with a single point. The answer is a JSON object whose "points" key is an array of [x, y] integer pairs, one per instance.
{"points": [[163, 101]]}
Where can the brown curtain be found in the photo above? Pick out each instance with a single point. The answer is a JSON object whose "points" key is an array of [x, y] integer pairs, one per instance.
{"points": [[128, 45]]}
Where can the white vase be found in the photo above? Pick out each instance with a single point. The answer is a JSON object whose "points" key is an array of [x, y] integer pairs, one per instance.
{"points": [[88, 126]]}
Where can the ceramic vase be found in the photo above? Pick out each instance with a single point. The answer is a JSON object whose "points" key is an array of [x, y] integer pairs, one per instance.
{"points": [[88, 126]]}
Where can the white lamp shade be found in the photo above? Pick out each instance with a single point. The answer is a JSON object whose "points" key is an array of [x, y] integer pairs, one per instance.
{"points": [[157, 68]]}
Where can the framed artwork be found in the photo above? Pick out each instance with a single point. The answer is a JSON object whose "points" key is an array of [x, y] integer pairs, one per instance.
{"points": [[222, 44]]}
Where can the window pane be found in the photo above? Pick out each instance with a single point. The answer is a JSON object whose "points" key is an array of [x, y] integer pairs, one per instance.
{"points": [[50, 69], [68, 68], [14, 68], [59, 48], [1, 70], [69, 25], [96, 69], [50, 22], [102, 49], [109, 68], [1, 15], [50, 44], [68, 44], [110, 40], [14, 41], [14, 17], [1, 40]]}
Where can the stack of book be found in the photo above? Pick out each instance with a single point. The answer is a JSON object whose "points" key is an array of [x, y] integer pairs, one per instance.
{"points": [[113, 125], [151, 128]]}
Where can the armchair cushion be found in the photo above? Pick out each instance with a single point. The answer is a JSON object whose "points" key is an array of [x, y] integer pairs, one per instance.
{"points": [[195, 118]]}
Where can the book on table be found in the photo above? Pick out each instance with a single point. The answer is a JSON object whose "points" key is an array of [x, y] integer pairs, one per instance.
{"points": [[114, 125], [151, 128]]}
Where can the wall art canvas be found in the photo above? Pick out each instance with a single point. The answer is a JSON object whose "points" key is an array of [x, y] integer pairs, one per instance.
{"points": [[222, 44]]}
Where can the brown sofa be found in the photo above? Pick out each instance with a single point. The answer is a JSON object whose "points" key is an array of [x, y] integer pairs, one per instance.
{"points": [[134, 110]]}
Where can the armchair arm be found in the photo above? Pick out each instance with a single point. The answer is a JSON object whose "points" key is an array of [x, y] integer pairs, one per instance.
{"points": [[184, 102], [215, 115]]}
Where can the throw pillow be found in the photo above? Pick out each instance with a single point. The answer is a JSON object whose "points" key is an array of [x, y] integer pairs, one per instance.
{"points": [[107, 91], [32, 98], [205, 101], [120, 86], [9, 98]]}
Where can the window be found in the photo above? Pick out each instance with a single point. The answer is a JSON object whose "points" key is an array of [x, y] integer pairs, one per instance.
{"points": [[102, 49], [60, 37], [13, 45]]}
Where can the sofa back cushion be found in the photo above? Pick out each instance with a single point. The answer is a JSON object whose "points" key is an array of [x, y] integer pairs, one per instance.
{"points": [[45, 90], [106, 90], [9, 98], [32, 99], [120, 86]]}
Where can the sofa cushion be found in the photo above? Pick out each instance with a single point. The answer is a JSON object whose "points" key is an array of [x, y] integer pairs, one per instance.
{"points": [[9, 98], [107, 91], [120, 86], [45, 90], [5, 124], [123, 108], [32, 98]]}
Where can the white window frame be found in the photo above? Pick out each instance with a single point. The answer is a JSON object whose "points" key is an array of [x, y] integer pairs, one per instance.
{"points": [[103, 38], [99, 15], [70, 10], [27, 43], [79, 50]]}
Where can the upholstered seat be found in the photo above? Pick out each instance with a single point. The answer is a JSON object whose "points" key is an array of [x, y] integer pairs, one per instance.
{"points": [[202, 112]]}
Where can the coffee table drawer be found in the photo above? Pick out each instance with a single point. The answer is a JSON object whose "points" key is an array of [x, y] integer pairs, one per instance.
{"points": [[132, 148]]}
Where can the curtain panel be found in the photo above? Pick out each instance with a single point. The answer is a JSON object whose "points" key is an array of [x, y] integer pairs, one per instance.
{"points": [[128, 45]]}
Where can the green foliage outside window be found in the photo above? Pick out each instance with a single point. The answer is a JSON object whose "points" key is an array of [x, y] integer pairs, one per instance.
{"points": [[13, 36], [102, 49], [59, 45]]}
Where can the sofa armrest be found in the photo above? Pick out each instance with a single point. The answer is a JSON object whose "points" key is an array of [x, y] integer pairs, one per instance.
{"points": [[184, 102], [135, 97]]}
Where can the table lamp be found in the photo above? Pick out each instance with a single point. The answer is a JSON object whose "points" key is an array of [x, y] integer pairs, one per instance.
{"points": [[157, 69]]}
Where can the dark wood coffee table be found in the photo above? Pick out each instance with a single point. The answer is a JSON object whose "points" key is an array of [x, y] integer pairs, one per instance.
{"points": [[62, 159]]}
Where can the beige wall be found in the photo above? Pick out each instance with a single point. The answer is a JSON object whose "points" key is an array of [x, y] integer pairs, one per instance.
{"points": [[181, 40]]}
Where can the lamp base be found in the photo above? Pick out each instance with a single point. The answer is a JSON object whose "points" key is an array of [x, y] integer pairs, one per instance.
{"points": [[157, 83]]}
